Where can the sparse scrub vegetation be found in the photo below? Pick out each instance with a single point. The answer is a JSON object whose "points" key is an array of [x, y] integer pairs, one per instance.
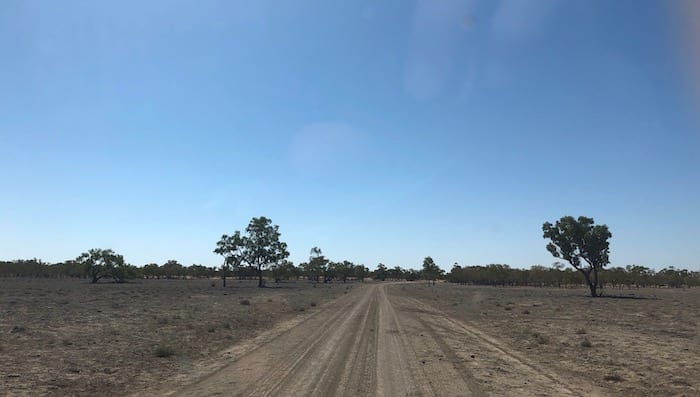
{"points": [[538, 337], [264, 257], [624, 326], [187, 317], [613, 378], [164, 351]]}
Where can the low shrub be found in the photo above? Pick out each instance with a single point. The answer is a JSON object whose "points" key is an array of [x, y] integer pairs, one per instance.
{"points": [[164, 351]]}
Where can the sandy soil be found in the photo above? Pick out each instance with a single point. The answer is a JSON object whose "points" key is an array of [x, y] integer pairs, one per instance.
{"points": [[639, 342], [385, 339], [68, 337], [379, 340]]}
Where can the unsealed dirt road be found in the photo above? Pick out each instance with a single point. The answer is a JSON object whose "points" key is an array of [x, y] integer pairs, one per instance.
{"points": [[373, 342]]}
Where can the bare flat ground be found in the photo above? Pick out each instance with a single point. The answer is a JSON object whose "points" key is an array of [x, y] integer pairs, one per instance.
{"points": [[372, 342], [400, 339], [69, 337], [634, 342]]}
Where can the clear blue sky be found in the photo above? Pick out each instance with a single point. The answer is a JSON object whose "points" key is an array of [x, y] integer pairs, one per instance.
{"points": [[378, 131]]}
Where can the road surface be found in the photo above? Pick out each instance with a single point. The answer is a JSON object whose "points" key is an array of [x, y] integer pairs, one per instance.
{"points": [[373, 343]]}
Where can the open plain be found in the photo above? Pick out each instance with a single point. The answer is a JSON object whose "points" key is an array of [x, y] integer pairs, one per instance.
{"points": [[186, 337]]}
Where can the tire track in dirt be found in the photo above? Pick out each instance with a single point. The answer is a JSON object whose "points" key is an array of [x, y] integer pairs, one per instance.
{"points": [[317, 370], [372, 342], [450, 331], [453, 358], [411, 366], [307, 359]]}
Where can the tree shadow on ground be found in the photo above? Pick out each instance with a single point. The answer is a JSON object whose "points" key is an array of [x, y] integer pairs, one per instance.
{"points": [[633, 297]]}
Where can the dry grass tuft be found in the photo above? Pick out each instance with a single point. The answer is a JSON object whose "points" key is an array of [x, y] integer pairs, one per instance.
{"points": [[164, 351]]}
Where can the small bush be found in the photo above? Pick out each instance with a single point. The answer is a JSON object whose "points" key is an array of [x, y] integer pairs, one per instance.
{"points": [[526, 311], [580, 331], [211, 328], [586, 343], [613, 378], [312, 304], [538, 337], [245, 302], [164, 351]]}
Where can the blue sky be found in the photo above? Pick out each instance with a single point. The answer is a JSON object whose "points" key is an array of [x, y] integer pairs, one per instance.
{"points": [[378, 131]]}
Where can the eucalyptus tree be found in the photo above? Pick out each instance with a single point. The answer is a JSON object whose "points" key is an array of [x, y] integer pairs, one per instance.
{"points": [[232, 248], [582, 243], [263, 246]]}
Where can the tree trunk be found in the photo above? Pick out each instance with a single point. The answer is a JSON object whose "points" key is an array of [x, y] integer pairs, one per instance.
{"points": [[224, 269], [594, 288], [592, 285], [260, 279]]}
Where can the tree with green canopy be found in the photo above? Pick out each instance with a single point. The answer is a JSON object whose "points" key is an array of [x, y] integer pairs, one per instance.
{"points": [[582, 243], [232, 248], [101, 263], [431, 271], [263, 246]]}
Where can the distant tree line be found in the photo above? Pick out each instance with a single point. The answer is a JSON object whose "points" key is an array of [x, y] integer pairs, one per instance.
{"points": [[318, 269], [259, 253], [430, 272], [117, 272], [632, 276], [324, 270]]}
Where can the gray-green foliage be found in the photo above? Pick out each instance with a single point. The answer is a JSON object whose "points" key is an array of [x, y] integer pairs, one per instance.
{"points": [[381, 272], [232, 248], [259, 248], [101, 263], [431, 271], [263, 246], [316, 266], [284, 270], [582, 243]]}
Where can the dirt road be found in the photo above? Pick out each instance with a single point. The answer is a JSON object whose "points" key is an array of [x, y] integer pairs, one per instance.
{"points": [[372, 341]]}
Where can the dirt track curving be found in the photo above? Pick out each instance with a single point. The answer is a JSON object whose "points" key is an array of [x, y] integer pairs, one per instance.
{"points": [[372, 342]]}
